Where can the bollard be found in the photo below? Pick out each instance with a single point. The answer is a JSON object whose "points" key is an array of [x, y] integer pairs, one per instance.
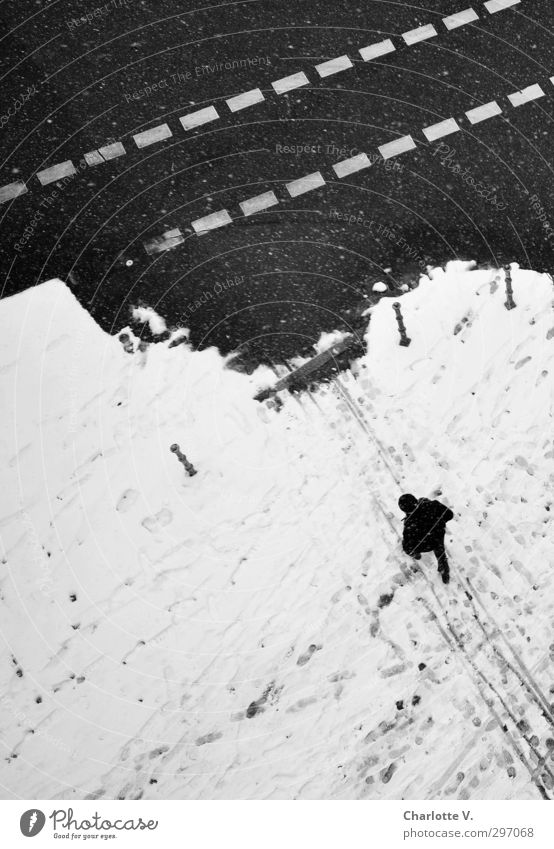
{"points": [[509, 302], [191, 471], [404, 339]]}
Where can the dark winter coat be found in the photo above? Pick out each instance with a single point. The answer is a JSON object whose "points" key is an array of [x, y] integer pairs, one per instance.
{"points": [[424, 527]]}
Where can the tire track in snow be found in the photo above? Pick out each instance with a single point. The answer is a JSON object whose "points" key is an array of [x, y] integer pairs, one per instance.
{"points": [[453, 642], [539, 697]]}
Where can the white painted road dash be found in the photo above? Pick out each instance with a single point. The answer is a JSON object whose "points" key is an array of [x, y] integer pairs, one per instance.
{"points": [[56, 172], [373, 51], [112, 151], [247, 98], [12, 190], [288, 83], [396, 147], [152, 136], [459, 19], [333, 66], [212, 222], [305, 184], [481, 113], [532, 92], [257, 203], [196, 119], [166, 242], [93, 158], [350, 166], [493, 6], [443, 128], [419, 34]]}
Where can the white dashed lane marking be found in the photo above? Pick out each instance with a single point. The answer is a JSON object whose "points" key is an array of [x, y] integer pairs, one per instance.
{"points": [[168, 240], [419, 34], [12, 190], [247, 98], [258, 203], [112, 151], [305, 184], [333, 66], [93, 158], [481, 113], [359, 162], [532, 92], [156, 134], [443, 128], [396, 147], [493, 6], [56, 172], [289, 83], [350, 166], [212, 222], [373, 51], [459, 19], [196, 119]]}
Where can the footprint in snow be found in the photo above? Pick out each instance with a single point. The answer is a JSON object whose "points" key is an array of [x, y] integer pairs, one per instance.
{"points": [[209, 738], [388, 773], [438, 376], [466, 320], [393, 670], [301, 704], [155, 753], [160, 520], [340, 676], [127, 500], [304, 658], [522, 362]]}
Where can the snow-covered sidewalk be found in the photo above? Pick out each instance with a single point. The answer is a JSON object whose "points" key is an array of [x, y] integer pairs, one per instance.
{"points": [[253, 631]]}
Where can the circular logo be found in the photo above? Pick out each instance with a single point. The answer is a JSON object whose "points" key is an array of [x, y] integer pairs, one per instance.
{"points": [[32, 822]]}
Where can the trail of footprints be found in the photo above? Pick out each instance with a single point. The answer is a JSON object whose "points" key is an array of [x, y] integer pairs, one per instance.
{"points": [[539, 747]]}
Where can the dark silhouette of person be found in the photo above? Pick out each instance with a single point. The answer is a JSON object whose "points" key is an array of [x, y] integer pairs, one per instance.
{"points": [[424, 529]]}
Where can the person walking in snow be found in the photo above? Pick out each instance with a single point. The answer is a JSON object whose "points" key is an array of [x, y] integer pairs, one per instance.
{"points": [[424, 529]]}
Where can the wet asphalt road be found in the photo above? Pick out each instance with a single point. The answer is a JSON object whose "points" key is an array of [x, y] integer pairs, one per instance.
{"points": [[272, 282]]}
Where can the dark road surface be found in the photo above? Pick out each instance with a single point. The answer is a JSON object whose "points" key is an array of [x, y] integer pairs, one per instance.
{"points": [[274, 280]]}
